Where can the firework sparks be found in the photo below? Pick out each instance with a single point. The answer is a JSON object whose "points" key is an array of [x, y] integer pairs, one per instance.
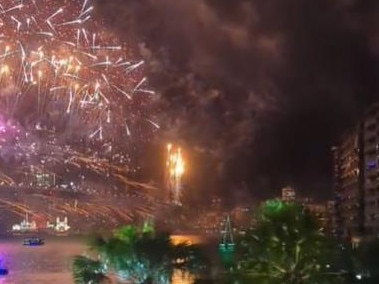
{"points": [[71, 96], [175, 169], [62, 61]]}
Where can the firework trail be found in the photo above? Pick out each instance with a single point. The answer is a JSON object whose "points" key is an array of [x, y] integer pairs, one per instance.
{"points": [[175, 170], [71, 96], [77, 211]]}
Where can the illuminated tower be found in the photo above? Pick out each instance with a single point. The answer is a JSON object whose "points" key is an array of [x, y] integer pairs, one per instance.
{"points": [[227, 234], [227, 245], [175, 171]]}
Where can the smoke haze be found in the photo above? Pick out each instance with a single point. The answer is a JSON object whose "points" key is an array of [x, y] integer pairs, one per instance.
{"points": [[258, 89]]}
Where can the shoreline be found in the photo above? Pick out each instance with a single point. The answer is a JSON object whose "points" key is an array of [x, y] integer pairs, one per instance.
{"points": [[44, 236]]}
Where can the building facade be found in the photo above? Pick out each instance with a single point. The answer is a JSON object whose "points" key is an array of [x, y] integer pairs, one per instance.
{"points": [[324, 215], [356, 178], [288, 194], [40, 179], [349, 184], [371, 170]]}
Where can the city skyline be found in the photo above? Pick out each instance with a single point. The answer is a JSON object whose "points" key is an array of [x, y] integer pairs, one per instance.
{"points": [[146, 141], [249, 123]]}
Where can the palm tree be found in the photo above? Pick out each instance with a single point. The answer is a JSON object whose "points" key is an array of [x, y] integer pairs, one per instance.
{"points": [[86, 270], [286, 246], [139, 256]]}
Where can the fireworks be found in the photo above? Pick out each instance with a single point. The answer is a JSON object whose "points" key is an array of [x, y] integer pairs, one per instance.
{"points": [[175, 171], [55, 61], [71, 95]]}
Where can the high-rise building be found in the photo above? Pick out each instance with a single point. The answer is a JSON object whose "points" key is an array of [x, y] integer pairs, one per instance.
{"points": [[40, 179], [371, 169], [331, 218], [356, 178], [288, 194], [349, 184], [44, 180]]}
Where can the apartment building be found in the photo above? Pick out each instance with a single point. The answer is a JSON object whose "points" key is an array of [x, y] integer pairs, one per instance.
{"points": [[371, 169], [356, 178], [349, 184]]}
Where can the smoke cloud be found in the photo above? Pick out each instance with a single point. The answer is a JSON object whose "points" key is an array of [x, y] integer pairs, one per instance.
{"points": [[261, 88]]}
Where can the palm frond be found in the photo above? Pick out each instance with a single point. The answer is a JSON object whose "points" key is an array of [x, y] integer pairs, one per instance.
{"points": [[86, 270], [135, 255]]}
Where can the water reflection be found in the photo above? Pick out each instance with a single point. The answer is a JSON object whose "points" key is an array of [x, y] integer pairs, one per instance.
{"points": [[181, 278], [178, 277], [190, 239], [51, 263]]}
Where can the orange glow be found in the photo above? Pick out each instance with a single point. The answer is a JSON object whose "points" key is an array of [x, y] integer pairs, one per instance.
{"points": [[176, 169]]}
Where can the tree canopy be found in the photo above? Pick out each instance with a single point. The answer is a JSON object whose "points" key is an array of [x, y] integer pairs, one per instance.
{"points": [[286, 246], [139, 255]]}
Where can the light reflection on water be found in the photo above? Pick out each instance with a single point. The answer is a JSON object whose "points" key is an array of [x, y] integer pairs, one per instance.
{"points": [[179, 278], [50, 263]]}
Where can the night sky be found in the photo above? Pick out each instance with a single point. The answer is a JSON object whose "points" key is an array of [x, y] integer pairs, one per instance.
{"points": [[256, 91]]}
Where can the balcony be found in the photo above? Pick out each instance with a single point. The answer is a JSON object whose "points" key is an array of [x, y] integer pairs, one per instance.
{"points": [[348, 183], [370, 201], [370, 190], [371, 212], [370, 123], [371, 149]]}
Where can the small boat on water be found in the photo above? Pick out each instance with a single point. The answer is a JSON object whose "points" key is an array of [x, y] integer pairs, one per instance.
{"points": [[25, 226], [34, 241]]}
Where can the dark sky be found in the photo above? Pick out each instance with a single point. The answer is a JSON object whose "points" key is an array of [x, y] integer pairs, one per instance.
{"points": [[257, 91]]}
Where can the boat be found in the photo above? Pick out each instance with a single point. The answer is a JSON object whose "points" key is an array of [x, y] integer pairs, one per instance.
{"points": [[4, 271], [59, 228], [34, 241], [25, 226]]}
